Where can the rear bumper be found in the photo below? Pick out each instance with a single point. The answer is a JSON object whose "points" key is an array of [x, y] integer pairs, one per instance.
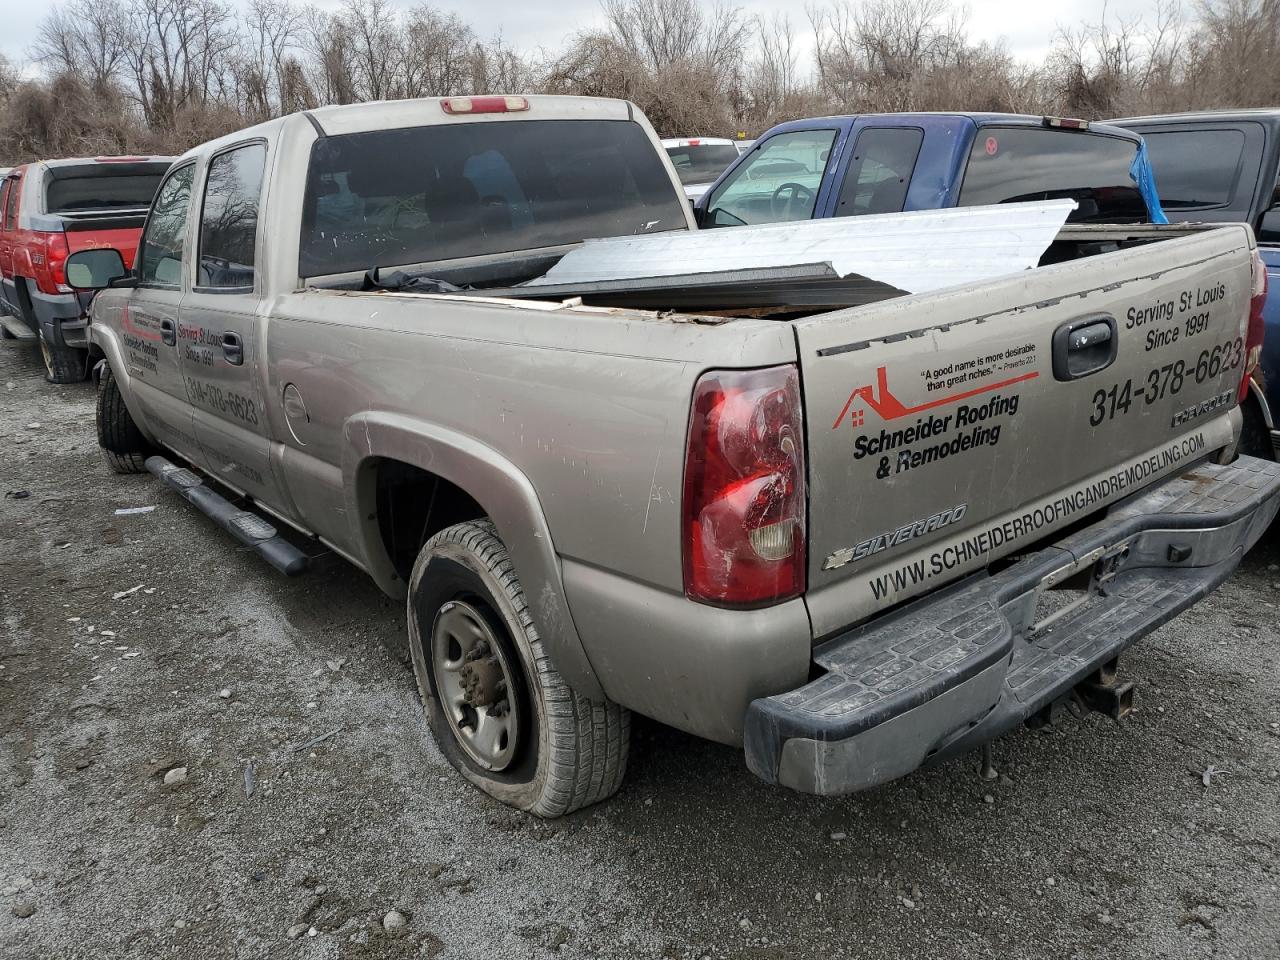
{"points": [[61, 319], [955, 669]]}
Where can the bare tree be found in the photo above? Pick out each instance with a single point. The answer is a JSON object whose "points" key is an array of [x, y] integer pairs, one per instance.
{"points": [[375, 48], [436, 58], [83, 37], [272, 29], [329, 66]]}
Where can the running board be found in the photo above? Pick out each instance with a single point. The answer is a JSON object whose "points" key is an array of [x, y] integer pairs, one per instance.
{"points": [[249, 528], [16, 327]]}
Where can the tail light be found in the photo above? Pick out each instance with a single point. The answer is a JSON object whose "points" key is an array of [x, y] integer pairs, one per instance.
{"points": [[1254, 334], [51, 264], [744, 489]]}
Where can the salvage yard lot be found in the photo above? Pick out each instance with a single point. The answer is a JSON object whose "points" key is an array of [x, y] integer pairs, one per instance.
{"points": [[1098, 840]]}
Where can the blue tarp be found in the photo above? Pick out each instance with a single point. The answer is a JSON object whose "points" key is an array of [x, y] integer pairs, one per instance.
{"points": [[1142, 174]]}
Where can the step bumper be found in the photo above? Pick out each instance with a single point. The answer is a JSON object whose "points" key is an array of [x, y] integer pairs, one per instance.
{"points": [[963, 665]]}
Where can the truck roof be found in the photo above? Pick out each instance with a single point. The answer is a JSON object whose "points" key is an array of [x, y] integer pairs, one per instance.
{"points": [[1259, 113], [980, 119], [94, 166], [698, 142], [338, 120], [85, 161]]}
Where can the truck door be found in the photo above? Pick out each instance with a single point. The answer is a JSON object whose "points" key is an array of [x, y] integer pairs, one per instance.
{"points": [[149, 320], [8, 224], [221, 328], [878, 173]]}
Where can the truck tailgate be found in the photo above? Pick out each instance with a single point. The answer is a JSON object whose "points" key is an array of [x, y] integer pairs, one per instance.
{"points": [[949, 429], [119, 232]]}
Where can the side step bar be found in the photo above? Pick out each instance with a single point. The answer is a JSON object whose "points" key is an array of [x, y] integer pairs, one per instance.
{"points": [[249, 528], [16, 328]]}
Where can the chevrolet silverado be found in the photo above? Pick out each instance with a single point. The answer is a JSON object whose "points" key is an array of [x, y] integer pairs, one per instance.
{"points": [[852, 540]]}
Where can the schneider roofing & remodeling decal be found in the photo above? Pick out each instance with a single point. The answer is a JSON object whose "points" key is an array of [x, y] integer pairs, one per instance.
{"points": [[932, 436]]}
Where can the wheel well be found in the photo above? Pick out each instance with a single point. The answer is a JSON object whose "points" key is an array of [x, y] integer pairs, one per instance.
{"points": [[1255, 438], [413, 505], [24, 302]]}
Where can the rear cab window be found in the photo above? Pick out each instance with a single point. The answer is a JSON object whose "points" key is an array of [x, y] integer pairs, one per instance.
{"points": [[78, 194], [880, 169], [229, 218], [454, 191], [1016, 164], [778, 181], [701, 162], [1206, 173]]}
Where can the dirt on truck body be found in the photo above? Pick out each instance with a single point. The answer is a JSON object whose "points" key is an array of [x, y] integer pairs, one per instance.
{"points": [[854, 540]]}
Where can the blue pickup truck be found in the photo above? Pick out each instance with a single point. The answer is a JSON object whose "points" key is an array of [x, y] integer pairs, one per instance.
{"points": [[887, 163], [1225, 166]]}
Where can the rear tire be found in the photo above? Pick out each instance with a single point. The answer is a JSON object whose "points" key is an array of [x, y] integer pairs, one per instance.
{"points": [[123, 445], [64, 364], [566, 751]]}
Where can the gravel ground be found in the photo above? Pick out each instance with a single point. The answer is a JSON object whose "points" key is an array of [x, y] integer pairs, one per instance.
{"points": [[137, 644]]}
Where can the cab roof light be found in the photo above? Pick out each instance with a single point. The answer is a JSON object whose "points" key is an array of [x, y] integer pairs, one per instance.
{"points": [[456, 105], [1066, 123], [120, 159]]}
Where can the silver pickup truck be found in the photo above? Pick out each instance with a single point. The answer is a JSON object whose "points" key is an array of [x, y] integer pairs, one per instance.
{"points": [[853, 540]]}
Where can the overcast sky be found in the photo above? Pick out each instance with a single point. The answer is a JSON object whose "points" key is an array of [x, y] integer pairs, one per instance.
{"points": [[1026, 26]]}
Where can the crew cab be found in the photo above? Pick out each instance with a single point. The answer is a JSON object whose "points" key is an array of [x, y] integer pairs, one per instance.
{"points": [[51, 209], [885, 163], [853, 537], [1225, 165]]}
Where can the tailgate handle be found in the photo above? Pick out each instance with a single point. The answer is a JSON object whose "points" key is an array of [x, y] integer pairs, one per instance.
{"points": [[1084, 346], [168, 332]]}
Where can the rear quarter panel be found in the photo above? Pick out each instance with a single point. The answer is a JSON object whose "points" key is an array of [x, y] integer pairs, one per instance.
{"points": [[591, 405]]}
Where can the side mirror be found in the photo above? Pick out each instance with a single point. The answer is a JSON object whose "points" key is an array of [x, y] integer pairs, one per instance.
{"points": [[95, 269]]}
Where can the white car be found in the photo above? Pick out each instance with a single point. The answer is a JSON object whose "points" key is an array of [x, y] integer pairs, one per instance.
{"points": [[699, 160]]}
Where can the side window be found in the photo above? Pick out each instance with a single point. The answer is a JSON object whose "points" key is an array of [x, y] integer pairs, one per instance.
{"points": [[163, 243], [879, 171], [4, 199], [229, 220], [11, 203], [778, 181]]}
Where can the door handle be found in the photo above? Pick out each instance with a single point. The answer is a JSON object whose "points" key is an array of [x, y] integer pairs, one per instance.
{"points": [[1084, 346], [233, 348], [168, 332]]}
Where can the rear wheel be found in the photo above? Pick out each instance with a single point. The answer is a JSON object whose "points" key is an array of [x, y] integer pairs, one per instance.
{"points": [[123, 445], [500, 711], [64, 364]]}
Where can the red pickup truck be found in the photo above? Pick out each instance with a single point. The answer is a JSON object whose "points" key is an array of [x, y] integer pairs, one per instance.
{"points": [[50, 209]]}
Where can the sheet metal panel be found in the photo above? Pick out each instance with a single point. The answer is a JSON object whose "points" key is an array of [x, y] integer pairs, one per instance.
{"points": [[918, 251]]}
